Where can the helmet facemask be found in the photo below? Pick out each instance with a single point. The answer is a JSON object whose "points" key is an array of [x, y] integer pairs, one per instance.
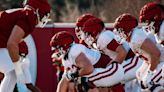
{"points": [[42, 21], [89, 40], [123, 36], [59, 52], [150, 27], [79, 33], [117, 35], [84, 36]]}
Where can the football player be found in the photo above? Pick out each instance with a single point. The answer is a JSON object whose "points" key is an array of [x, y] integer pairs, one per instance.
{"points": [[79, 24], [144, 45], [15, 25], [80, 61], [153, 14], [57, 62], [111, 44]]}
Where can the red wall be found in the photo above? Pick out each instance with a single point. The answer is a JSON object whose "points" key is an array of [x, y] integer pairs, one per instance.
{"points": [[46, 73]]}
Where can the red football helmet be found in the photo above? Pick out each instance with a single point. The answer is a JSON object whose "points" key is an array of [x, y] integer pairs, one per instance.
{"points": [[79, 24], [92, 29], [124, 24], [42, 9], [82, 19], [60, 44], [151, 12]]}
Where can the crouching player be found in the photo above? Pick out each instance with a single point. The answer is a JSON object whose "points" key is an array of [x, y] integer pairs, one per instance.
{"points": [[80, 61]]}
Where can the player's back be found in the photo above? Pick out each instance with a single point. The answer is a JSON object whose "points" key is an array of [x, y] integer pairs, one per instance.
{"points": [[10, 18]]}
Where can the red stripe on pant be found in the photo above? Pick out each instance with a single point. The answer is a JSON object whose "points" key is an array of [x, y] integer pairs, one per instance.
{"points": [[107, 74], [132, 65], [102, 72], [128, 63], [157, 76]]}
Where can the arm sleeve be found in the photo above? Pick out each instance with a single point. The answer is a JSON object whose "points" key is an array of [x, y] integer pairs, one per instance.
{"points": [[27, 21], [22, 23], [137, 40], [107, 40], [75, 52]]}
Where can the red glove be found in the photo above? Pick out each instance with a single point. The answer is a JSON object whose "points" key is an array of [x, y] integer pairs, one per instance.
{"points": [[23, 49]]}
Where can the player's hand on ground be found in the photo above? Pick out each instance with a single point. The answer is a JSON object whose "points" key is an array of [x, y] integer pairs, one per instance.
{"points": [[33, 88], [72, 75]]}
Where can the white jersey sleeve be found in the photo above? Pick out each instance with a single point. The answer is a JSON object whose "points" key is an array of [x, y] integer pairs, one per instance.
{"points": [[125, 44], [137, 39], [75, 51], [66, 63], [161, 32], [104, 39]]}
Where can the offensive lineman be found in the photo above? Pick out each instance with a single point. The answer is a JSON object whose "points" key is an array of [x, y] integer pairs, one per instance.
{"points": [[144, 45], [84, 62], [153, 14]]}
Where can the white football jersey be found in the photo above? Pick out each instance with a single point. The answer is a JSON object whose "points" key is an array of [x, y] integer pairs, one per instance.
{"points": [[76, 49], [105, 39], [161, 32], [107, 42], [138, 37]]}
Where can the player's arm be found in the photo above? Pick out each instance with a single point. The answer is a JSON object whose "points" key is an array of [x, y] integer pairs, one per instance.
{"points": [[13, 49], [154, 53], [84, 64], [63, 85], [116, 47], [12, 45], [121, 54]]}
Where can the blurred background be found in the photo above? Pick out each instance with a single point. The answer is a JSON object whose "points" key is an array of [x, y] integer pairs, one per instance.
{"points": [[69, 10]]}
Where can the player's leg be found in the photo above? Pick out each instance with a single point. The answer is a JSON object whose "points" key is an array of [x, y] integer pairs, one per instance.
{"points": [[107, 77], [27, 74], [7, 68], [8, 83]]}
